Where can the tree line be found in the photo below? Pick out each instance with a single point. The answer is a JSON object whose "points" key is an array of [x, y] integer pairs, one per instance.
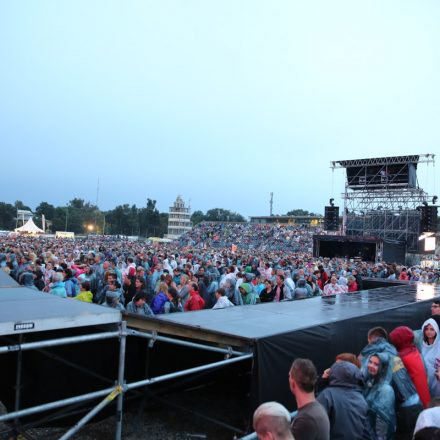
{"points": [[84, 217]]}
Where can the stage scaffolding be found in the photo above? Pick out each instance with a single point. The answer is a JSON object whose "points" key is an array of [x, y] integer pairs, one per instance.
{"points": [[382, 197], [108, 395]]}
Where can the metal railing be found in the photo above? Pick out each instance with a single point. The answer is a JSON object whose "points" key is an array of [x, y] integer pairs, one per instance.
{"points": [[117, 391]]}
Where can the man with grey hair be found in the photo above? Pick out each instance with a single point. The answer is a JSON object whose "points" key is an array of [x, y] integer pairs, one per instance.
{"points": [[58, 288], [272, 422]]}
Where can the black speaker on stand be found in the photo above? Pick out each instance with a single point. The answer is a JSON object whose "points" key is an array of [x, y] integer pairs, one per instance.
{"points": [[428, 218], [331, 218]]}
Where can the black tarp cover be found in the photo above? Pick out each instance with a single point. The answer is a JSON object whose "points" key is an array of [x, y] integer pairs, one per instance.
{"points": [[389, 308]]}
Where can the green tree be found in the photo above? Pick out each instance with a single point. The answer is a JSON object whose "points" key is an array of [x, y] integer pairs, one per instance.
{"points": [[60, 220], [223, 215], [7, 216], [197, 217], [151, 219], [20, 205], [118, 220], [45, 209], [163, 223], [298, 212]]}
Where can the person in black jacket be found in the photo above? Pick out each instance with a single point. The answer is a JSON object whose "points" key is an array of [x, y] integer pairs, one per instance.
{"points": [[268, 293], [345, 405], [358, 279]]}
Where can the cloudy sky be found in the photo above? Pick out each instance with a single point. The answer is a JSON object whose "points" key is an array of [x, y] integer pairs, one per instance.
{"points": [[222, 101]]}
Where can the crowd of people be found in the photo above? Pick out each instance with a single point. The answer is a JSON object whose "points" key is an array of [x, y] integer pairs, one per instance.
{"points": [[149, 280], [264, 237], [378, 394], [390, 390]]}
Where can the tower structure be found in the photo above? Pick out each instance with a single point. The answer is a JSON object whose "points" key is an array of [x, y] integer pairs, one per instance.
{"points": [[179, 219], [382, 198]]}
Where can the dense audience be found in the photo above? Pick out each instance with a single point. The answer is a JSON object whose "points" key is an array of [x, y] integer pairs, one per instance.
{"points": [[140, 278], [389, 391], [264, 237]]}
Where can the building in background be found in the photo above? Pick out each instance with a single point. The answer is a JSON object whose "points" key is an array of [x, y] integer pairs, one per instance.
{"points": [[179, 219], [23, 216], [300, 220]]}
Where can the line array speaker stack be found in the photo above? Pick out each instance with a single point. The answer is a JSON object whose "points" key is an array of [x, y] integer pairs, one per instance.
{"points": [[331, 218], [428, 220]]}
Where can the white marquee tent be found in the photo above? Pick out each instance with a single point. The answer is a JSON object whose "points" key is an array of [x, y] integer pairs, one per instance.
{"points": [[29, 228]]}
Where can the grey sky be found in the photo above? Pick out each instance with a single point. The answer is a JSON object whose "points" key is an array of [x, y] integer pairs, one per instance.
{"points": [[220, 101]]}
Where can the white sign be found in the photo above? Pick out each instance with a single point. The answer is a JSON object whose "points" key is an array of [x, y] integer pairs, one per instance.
{"points": [[64, 234]]}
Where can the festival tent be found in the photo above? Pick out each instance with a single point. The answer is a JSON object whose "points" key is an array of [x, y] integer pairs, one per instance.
{"points": [[29, 228]]}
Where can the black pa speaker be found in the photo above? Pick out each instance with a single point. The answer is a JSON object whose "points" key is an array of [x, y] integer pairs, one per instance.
{"points": [[428, 219], [331, 218]]}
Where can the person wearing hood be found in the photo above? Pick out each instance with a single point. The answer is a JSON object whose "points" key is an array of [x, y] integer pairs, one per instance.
{"points": [[249, 297], [344, 403], [112, 298], [70, 283], [195, 301], [27, 280], [302, 290], [403, 339], [408, 401], [380, 396], [289, 285], [57, 288], [428, 418], [342, 281], [431, 354]]}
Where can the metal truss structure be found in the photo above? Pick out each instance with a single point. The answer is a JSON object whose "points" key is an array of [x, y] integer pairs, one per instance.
{"points": [[117, 390], [381, 205], [394, 160]]}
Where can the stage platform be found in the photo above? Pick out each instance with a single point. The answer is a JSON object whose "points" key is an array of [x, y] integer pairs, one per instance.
{"points": [[247, 324], [6, 280], [317, 328], [24, 310]]}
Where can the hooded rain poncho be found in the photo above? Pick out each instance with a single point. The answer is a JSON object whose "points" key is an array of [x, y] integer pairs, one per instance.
{"points": [[431, 357], [379, 395]]}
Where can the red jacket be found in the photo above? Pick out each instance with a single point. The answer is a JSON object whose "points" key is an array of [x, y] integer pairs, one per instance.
{"points": [[353, 287], [403, 339], [195, 302]]}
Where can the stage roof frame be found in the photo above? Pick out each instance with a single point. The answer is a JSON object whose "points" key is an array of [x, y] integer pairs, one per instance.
{"points": [[389, 160]]}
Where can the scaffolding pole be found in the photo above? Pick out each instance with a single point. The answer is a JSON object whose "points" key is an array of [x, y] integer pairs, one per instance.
{"points": [[116, 392], [56, 342], [56, 404], [121, 372], [165, 377], [134, 385], [227, 351]]}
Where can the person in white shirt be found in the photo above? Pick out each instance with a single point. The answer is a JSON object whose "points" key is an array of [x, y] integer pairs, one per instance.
{"points": [[222, 300], [332, 288]]}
